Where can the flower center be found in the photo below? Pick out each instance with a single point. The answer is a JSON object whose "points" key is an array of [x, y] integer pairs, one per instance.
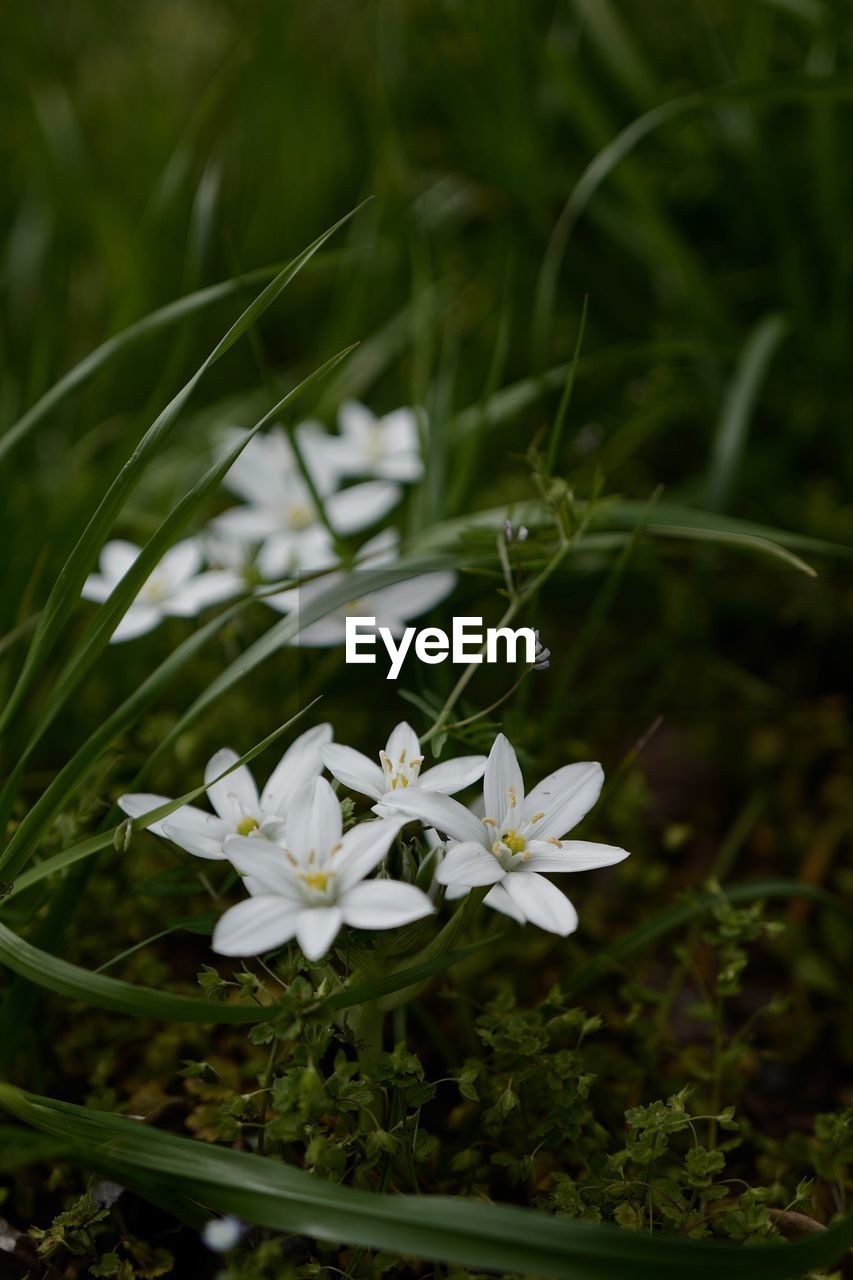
{"points": [[318, 880], [514, 842], [247, 825], [402, 772], [300, 515]]}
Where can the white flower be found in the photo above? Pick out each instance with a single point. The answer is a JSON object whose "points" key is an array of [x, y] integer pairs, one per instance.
{"points": [[176, 588], [391, 606], [239, 808], [280, 510], [315, 882], [222, 1234], [518, 839], [399, 767], [387, 448]]}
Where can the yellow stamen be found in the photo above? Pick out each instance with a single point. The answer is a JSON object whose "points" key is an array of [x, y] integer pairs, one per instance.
{"points": [[318, 880], [515, 842], [247, 825]]}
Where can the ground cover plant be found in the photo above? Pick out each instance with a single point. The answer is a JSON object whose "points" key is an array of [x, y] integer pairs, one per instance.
{"points": [[532, 313]]}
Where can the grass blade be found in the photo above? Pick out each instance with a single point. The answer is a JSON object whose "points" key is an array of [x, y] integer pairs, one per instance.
{"points": [[738, 407], [66, 589], [459, 1230]]}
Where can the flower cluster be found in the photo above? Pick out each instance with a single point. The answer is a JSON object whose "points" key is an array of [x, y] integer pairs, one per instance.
{"points": [[306, 877], [278, 530]]}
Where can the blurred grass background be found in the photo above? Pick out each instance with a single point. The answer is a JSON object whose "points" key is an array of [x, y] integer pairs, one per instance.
{"points": [[149, 149]]}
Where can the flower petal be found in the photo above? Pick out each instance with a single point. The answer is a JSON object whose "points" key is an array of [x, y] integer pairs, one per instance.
{"points": [[199, 593], [254, 926], [363, 848], [453, 775], [199, 843], [116, 558], [470, 864], [354, 770], [314, 822], [384, 904], [503, 786], [97, 588], [267, 864], [541, 902], [350, 510], [235, 796], [138, 621], [302, 760], [500, 900], [403, 744], [435, 810], [137, 804], [563, 798], [316, 928], [409, 599], [180, 562], [572, 855]]}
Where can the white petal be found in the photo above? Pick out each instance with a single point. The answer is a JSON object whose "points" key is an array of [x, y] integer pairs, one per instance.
{"points": [[541, 902], [254, 926], [286, 553], [302, 760], [314, 822], [351, 510], [97, 588], [354, 770], [384, 904], [409, 599], [563, 798], [200, 844], [572, 855], [267, 864], [453, 775], [446, 815], [236, 795], [470, 864], [316, 929], [116, 558], [187, 820], [355, 420], [138, 803], [363, 848], [181, 561], [199, 593], [252, 524], [403, 743], [500, 900], [503, 787], [138, 621]]}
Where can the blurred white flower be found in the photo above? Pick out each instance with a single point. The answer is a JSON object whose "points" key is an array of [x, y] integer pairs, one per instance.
{"points": [[177, 588], [391, 606], [222, 1234], [517, 840], [239, 808], [388, 448], [399, 767], [315, 882], [279, 509]]}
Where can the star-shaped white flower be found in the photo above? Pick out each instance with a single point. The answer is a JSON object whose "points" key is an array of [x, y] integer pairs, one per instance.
{"points": [[387, 448], [279, 509], [177, 588], [239, 808], [315, 882], [399, 767], [392, 607], [518, 839]]}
